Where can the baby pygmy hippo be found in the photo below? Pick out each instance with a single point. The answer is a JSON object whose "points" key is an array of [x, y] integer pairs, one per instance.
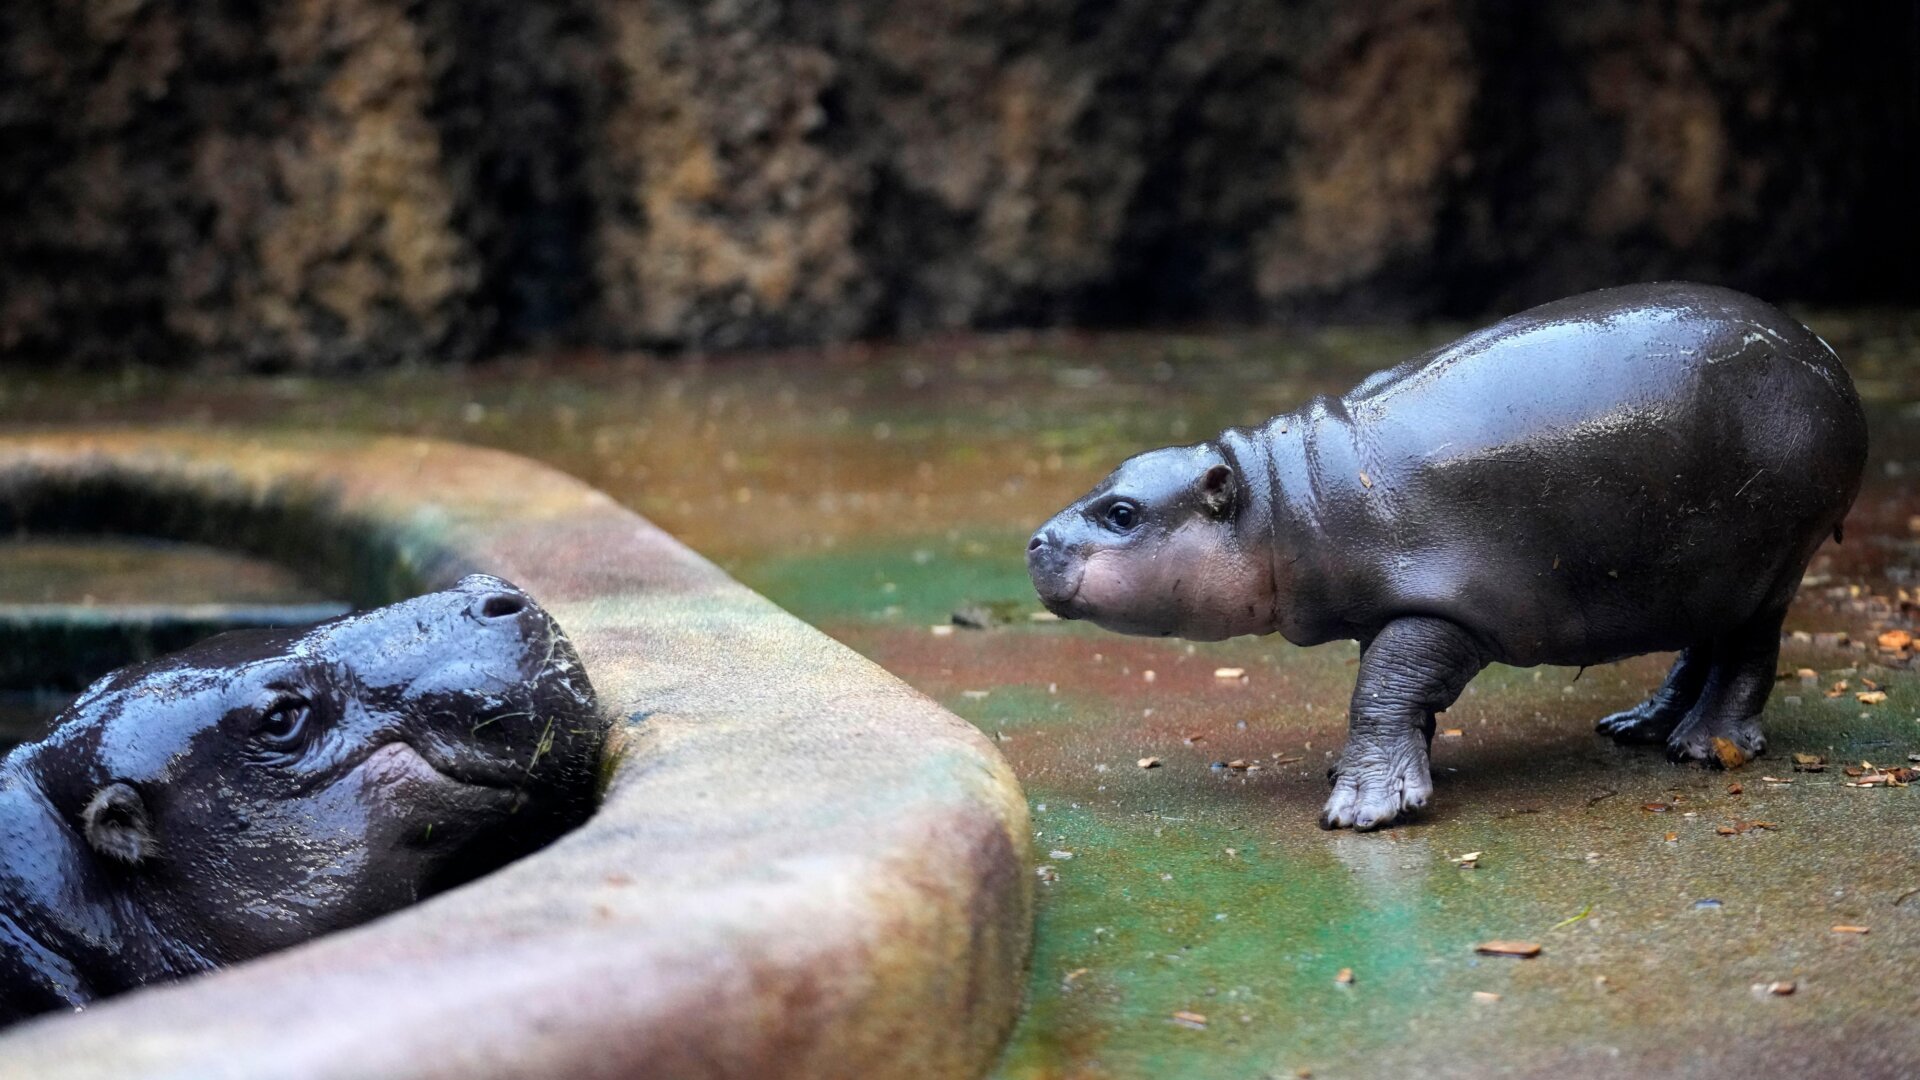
{"points": [[266, 787], [1634, 470]]}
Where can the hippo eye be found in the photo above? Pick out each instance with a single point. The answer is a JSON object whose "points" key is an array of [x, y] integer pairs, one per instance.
{"points": [[283, 728], [1123, 515]]}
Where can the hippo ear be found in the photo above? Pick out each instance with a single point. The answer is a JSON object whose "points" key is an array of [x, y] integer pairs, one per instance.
{"points": [[1217, 490], [117, 825]]}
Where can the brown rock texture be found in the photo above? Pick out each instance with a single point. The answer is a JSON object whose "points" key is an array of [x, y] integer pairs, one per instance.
{"points": [[327, 184]]}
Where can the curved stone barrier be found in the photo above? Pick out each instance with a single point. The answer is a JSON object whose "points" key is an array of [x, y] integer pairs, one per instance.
{"points": [[802, 867]]}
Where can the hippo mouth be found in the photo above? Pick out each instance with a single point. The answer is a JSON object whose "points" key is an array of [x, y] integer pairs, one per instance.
{"points": [[399, 757], [1063, 606], [1059, 596]]}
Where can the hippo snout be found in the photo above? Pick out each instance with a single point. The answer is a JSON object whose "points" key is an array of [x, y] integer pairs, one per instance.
{"points": [[495, 600], [1055, 573], [499, 605]]}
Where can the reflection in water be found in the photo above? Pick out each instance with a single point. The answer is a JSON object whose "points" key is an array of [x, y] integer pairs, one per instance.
{"points": [[75, 607]]}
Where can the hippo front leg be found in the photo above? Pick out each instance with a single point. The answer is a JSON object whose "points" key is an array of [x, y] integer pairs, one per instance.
{"points": [[1412, 669]]}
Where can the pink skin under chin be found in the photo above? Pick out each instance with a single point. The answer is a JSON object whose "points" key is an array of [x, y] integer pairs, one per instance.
{"points": [[1190, 585]]}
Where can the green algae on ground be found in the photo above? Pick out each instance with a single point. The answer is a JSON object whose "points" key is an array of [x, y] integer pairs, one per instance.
{"points": [[873, 493]]}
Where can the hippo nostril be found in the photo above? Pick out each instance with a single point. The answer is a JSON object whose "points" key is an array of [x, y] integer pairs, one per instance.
{"points": [[1034, 544], [501, 605], [1041, 539]]}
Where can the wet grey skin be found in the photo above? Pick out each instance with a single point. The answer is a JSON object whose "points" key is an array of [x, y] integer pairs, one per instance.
{"points": [[1641, 469], [266, 787]]}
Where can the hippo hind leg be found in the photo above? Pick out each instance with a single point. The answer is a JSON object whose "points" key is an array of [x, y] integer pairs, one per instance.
{"points": [[1653, 720], [1412, 669], [1723, 727]]}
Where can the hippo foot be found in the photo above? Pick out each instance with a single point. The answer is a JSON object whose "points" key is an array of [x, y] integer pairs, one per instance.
{"points": [[1725, 744], [1375, 786], [1641, 724]]}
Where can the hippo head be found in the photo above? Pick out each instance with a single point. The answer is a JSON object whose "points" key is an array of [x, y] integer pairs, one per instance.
{"points": [[1161, 547], [263, 787]]}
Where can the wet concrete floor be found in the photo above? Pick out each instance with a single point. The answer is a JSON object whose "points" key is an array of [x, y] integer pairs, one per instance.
{"points": [[1193, 920]]}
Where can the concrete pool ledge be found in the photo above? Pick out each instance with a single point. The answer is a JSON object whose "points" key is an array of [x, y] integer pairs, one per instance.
{"points": [[802, 868]]}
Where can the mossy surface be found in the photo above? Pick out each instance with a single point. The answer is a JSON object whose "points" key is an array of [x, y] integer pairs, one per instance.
{"points": [[875, 494]]}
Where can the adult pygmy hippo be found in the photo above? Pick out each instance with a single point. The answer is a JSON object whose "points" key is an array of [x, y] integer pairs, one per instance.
{"points": [[1634, 470], [265, 787]]}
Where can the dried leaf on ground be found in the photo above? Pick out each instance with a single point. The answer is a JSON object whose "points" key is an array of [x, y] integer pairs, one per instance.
{"points": [[1524, 950], [1728, 752]]}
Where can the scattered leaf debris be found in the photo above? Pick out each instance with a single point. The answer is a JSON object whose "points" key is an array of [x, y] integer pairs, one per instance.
{"points": [[1895, 640], [1451, 733], [1345, 977], [1740, 827], [943, 630], [1656, 807], [1673, 837], [1809, 763], [1779, 779], [1148, 763], [1781, 987], [1871, 775], [1230, 673], [1735, 789], [1366, 481], [1849, 928], [1485, 996], [1469, 861], [1837, 689], [1195, 1021], [1524, 950], [1871, 697]]}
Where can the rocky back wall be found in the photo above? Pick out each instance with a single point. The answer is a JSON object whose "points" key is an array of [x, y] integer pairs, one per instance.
{"points": [[324, 184]]}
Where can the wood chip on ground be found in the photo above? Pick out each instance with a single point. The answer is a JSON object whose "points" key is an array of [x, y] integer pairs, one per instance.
{"points": [[1522, 949]]}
